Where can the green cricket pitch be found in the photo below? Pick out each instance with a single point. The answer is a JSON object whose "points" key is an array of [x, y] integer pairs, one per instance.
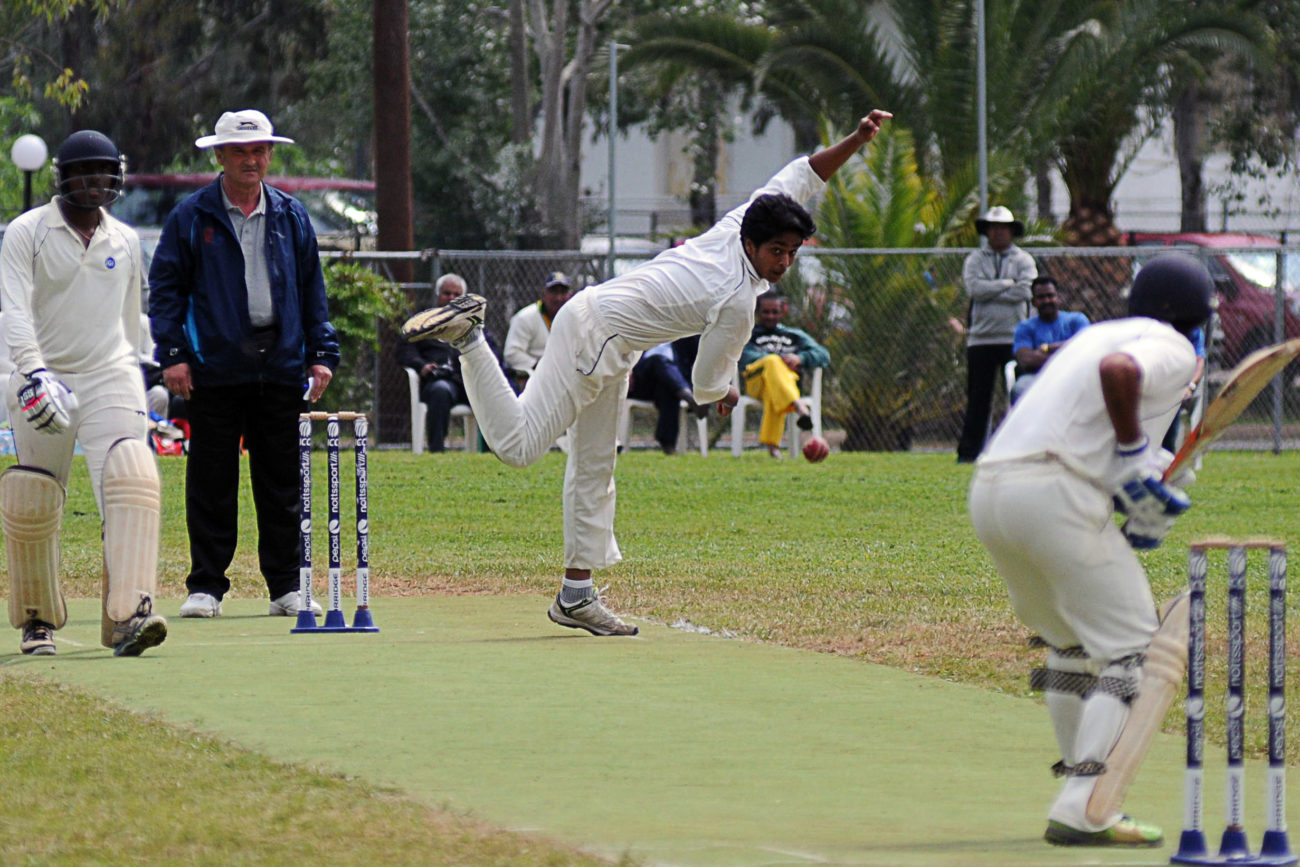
{"points": [[671, 747]]}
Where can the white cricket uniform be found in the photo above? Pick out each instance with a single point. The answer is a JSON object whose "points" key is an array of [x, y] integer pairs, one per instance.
{"points": [[75, 311], [1041, 504], [707, 286], [526, 338]]}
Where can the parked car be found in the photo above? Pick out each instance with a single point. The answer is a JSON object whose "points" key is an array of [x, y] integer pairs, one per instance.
{"points": [[1244, 274], [342, 209]]}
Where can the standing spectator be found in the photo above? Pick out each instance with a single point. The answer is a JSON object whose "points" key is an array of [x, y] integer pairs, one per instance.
{"points": [[997, 279], [707, 286], [70, 277], [438, 364], [771, 364], [1039, 336], [658, 378], [531, 326], [1078, 447], [237, 305]]}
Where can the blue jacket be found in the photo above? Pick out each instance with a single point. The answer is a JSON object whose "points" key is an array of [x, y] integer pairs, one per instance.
{"points": [[198, 301]]}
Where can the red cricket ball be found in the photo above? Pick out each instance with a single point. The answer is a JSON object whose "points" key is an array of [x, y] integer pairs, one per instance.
{"points": [[816, 449]]}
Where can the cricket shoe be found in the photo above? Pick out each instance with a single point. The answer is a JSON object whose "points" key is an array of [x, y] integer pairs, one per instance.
{"points": [[139, 632], [38, 638], [589, 614], [1127, 832], [290, 604], [201, 605], [451, 324]]}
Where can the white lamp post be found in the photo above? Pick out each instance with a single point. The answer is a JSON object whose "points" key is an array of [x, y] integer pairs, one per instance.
{"points": [[29, 153]]}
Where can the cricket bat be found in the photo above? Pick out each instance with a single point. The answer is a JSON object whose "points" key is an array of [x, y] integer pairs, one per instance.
{"points": [[1245, 381]]}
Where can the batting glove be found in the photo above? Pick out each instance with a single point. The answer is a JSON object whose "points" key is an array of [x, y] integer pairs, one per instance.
{"points": [[46, 402]]}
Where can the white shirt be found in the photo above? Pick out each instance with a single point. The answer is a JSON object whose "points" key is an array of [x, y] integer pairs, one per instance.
{"points": [[1064, 414], [707, 286], [67, 306], [526, 338]]}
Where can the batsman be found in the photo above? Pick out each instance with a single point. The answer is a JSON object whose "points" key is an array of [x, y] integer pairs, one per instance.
{"points": [[70, 284], [1078, 447]]}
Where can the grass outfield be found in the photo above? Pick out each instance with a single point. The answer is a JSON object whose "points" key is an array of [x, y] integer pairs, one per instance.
{"points": [[868, 556]]}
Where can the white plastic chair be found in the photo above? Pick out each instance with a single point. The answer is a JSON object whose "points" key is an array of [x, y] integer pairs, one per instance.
{"points": [[419, 412], [701, 424], [813, 398]]}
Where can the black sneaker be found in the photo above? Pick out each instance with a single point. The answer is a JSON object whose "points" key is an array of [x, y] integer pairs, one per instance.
{"points": [[38, 638]]}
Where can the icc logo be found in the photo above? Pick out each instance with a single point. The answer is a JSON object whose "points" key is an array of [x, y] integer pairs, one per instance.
{"points": [[304, 427]]}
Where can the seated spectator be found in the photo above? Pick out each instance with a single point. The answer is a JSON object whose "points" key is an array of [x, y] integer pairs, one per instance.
{"points": [[657, 377], [1037, 337], [531, 326], [771, 363], [441, 385], [1197, 336]]}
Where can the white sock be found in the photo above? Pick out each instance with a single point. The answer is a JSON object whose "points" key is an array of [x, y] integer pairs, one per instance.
{"points": [[573, 590]]}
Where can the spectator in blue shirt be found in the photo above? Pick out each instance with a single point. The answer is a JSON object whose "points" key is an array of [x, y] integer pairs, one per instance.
{"points": [[1037, 337]]}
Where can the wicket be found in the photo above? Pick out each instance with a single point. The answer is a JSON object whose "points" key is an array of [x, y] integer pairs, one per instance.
{"points": [[1233, 847], [362, 621]]}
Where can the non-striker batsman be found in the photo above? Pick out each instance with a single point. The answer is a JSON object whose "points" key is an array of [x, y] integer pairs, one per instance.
{"points": [[1078, 446], [70, 282]]}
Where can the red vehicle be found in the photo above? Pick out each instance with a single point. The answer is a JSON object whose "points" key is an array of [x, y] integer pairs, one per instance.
{"points": [[1244, 274]]}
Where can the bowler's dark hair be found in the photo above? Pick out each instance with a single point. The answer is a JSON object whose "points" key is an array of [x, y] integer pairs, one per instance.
{"points": [[1042, 279], [774, 214]]}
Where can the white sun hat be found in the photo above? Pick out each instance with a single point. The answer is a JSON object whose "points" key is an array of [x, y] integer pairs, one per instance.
{"points": [[241, 127]]}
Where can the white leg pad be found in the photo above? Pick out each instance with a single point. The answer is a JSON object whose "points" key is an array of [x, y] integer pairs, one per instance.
{"points": [[31, 508], [132, 515], [1162, 677]]}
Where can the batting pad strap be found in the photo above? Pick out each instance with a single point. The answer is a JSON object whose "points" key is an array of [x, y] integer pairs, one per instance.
{"points": [[1066, 682], [31, 508], [132, 515], [1082, 769], [1076, 652]]}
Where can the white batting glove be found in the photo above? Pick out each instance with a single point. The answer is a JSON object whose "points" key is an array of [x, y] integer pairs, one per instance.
{"points": [[46, 402]]}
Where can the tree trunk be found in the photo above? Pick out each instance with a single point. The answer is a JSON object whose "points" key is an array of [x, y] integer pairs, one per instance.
{"points": [[1189, 137], [1043, 191], [710, 97], [521, 120]]}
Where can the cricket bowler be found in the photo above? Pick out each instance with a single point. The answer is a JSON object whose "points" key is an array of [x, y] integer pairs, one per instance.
{"points": [[707, 286], [70, 282], [1077, 447]]}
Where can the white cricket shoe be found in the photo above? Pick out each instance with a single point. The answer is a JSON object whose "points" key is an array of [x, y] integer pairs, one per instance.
{"points": [[201, 605], [450, 324], [290, 604], [589, 614]]}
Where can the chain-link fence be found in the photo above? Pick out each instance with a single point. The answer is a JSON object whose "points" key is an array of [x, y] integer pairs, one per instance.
{"points": [[895, 320]]}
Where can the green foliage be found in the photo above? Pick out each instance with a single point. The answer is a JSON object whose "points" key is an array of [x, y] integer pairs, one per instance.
{"points": [[360, 300]]}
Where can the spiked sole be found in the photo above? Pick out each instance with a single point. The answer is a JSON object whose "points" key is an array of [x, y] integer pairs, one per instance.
{"points": [[432, 324], [152, 633]]}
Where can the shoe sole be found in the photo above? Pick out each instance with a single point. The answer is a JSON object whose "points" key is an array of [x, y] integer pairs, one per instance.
{"points": [[561, 620], [152, 634], [427, 325], [1063, 836], [40, 650], [202, 614]]}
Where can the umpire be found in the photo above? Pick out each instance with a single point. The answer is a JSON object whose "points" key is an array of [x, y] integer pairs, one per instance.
{"points": [[241, 327]]}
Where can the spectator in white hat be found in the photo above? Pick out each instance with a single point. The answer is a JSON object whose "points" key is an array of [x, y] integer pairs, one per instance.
{"points": [[997, 278], [531, 326]]}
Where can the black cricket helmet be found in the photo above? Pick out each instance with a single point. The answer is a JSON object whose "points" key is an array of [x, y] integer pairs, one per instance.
{"points": [[89, 146], [1174, 288]]}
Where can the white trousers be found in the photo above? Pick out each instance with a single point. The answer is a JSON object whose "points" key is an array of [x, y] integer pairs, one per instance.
{"points": [[1075, 581], [577, 386], [110, 406]]}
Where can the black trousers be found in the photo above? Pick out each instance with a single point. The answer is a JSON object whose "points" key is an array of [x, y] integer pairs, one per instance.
{"points": [[984, 370], [657, 379], [266, 417], [440, 395]]}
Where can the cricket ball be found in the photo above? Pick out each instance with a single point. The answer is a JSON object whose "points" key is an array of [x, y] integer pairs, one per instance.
{"points": [[816, 449]]}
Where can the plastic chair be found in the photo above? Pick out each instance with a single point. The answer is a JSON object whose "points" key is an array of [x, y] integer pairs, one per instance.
{"points": [[813, 399], [701, 424], [419, 413]]}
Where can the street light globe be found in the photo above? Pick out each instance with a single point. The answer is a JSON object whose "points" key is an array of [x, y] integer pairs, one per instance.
{"points": [[29, 152]]}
